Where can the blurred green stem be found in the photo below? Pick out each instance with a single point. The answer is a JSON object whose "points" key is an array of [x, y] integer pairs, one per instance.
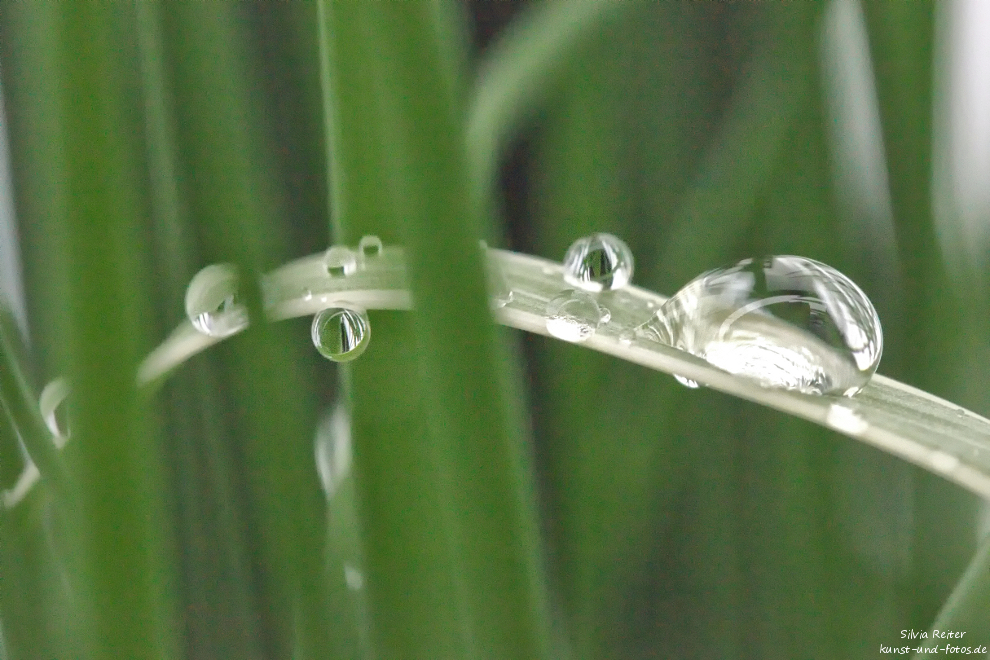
{"points": [[966, 608], [19, 403], [467, 581], [520, 69]]}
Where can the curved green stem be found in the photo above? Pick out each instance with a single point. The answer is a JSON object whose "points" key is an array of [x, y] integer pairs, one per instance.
{"points": [[515, 78], [20, 404]]}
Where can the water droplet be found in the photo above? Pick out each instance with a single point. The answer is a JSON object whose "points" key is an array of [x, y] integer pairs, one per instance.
{"points": [[785, 322], [599, 262], [370, 246], [212, 301], [845, 419], [606, 314], [52, 410], [943, 462], [353, 577], [573, 316], [307, 295], [503, 298], [341, 334], [687, 382], [626, 336], [333, 449], [339, 261], [499, 291]]}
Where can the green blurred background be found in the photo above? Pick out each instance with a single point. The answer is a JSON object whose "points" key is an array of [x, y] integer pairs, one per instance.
{"points": [[148, 140]]}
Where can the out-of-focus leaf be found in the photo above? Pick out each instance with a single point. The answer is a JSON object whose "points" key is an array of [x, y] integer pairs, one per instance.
{"points": [[452, 482]]}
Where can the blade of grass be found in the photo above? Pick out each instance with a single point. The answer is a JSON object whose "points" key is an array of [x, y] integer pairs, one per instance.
{"points": [[935, 337], [216, 590], [462, 492], [20, 405], [235, 203], [966, 609], [902, 37], [518, 72], [126, 570]]}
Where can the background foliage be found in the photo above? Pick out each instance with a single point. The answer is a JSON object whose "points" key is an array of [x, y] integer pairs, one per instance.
{"points": [[511, 496]]}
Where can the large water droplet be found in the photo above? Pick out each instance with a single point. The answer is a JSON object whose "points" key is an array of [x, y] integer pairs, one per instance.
{"points": [[52, 410], [573, 316], [340, 261], [341, 334], [212, 302], [599, 262], [785, 322]]}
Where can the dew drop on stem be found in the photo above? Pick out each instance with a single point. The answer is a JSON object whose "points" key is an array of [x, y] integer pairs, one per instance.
{"points": [[598, 262], [339, 261], [573, 316], [341, 334], [369, 246], [784, 322], [213, 302]]}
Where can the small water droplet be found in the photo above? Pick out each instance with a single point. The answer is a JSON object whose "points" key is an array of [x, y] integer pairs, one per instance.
{"points": [[339, 261], [784, 322], [370, 246], [213, 303], [606, 314], [502, 299], [573, 316], [52, 410], [500, 294], [845, 419], [307, 295], [353, 577], [943, 462], [599, 262], [333, 448], [341, 334], [626, 336]]}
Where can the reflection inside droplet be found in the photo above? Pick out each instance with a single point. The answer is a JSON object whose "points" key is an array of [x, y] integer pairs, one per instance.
{"points": [[341, 334], [599, 262]]}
